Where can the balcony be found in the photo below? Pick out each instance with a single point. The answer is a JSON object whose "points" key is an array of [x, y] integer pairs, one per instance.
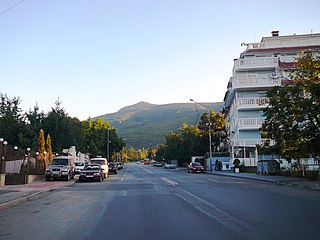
{"points": [[250, 123], [252, 81], [252, 103], [255, 63], [250, 142]]}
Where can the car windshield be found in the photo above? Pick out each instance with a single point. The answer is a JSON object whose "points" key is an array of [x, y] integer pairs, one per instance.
{"points": [[101, 162], [195, 164], [60, 162], [79, 164], [92, 167]]}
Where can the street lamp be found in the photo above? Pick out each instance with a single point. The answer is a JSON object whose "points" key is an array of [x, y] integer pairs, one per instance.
{"points": [[1, 142], [27, 166], [210, 149], [108, 145]]}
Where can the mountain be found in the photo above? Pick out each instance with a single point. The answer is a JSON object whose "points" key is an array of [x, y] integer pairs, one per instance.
{"points": [[145, 125]]}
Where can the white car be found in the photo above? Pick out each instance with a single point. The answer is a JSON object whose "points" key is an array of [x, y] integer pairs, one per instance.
{"points": [[170, 166], [103, 162], [78, 166]]}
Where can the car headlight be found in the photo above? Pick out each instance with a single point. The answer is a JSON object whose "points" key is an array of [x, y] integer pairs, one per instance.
{"points": [[97, 174]]}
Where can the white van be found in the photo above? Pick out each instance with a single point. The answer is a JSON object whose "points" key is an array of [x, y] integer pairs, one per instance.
{"points": [[103, 163]]}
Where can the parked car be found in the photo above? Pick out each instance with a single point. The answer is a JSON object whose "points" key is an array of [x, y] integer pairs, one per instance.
{"points": [[78, 166], [157, 164], [170, 166], [60, 168], [195, 167], [103, 162], [119, 165], [113, 167], [91, 172]]}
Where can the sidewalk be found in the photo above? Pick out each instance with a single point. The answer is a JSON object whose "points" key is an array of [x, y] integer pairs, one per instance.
{"points": [[11, 195], [282, 180]]}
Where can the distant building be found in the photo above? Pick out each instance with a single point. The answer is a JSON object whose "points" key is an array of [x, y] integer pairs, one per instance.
{"points": [[261, 66]]}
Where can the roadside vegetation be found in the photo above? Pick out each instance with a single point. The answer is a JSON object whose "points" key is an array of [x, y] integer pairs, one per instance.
{"points": [[193, 140], [293, 115], [24, 129]]}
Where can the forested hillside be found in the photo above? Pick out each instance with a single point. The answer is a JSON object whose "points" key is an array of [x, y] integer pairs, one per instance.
{"points": [[145, 124]]}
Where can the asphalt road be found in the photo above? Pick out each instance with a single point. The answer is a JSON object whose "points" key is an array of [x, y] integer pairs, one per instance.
{"points": [[146, 202]]}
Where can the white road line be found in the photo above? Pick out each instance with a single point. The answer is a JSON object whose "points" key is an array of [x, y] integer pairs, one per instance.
{"points": [[213, 180], [148, 170], [173, 183]]}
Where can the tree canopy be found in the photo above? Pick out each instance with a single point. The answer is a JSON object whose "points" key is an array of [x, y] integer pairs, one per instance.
{"points": [[192, 140], [293, 114], [60, 130]]}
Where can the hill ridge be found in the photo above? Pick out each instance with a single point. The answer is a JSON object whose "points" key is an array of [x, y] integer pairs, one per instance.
{"points": [[144, 125]]}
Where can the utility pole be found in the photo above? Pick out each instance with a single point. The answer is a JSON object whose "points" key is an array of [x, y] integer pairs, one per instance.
{"points": [[209, 128]]}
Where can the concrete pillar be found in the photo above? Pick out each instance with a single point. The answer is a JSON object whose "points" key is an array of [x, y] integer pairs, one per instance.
{"points": [[2, 179]]}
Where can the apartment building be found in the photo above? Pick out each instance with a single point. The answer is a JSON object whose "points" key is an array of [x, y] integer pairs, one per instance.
{"points": [[261, 66]]}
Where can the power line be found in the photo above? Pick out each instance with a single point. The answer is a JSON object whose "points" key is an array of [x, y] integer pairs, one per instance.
{"points": [[8, 9]]}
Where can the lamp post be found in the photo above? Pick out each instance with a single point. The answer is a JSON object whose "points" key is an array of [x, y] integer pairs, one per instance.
{"points": [[45, 159], [1, 142], [209, 128], [27, 166], [108, 145]]}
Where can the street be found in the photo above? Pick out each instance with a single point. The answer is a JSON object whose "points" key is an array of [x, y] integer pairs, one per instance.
{"points": [[146, 202]]}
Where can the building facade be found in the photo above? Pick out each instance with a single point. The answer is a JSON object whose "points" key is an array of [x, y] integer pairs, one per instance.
{"points": [[261, 66]]}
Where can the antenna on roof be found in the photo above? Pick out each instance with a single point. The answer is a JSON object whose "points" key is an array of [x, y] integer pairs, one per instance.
{"points": [[311, 32]]}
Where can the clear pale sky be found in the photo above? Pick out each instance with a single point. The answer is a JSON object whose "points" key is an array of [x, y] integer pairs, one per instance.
{"points": [[98, 56]]}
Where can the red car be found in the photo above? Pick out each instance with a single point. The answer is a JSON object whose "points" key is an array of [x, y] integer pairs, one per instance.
{"points": [[195, 167], [91, 172]]}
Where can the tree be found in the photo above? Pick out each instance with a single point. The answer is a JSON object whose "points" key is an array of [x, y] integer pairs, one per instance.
{"points": [[33, 121], [64, 130], [293, 114], [218, 130], [97, 133], [49, 149], [41, 159], [12, 126]]}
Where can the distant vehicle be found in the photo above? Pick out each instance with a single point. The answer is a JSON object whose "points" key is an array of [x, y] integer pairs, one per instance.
{"points": [[103, 162], [147, 162], [78, 166], [157, 164], [60, 168], [119, 165], [91, 172], [195, 167], [170, 166], [113, 167]]}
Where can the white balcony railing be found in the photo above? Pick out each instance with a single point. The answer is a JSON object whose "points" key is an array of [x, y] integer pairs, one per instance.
{"points": [[251, 81], [250, 142], [252, 103], [250, 123], [253, 63]]}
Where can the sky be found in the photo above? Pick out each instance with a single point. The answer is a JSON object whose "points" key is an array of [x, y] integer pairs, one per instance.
{"points": [[98, 56]]}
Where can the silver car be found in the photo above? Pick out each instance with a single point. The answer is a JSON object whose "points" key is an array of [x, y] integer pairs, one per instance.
{"points": [[60, 167]]}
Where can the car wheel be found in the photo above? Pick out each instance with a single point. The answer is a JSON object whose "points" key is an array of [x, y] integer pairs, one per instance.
{"points": [[68, 177]]}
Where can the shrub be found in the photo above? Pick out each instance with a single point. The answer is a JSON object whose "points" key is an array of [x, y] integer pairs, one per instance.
{"points": [[236, 163]]}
